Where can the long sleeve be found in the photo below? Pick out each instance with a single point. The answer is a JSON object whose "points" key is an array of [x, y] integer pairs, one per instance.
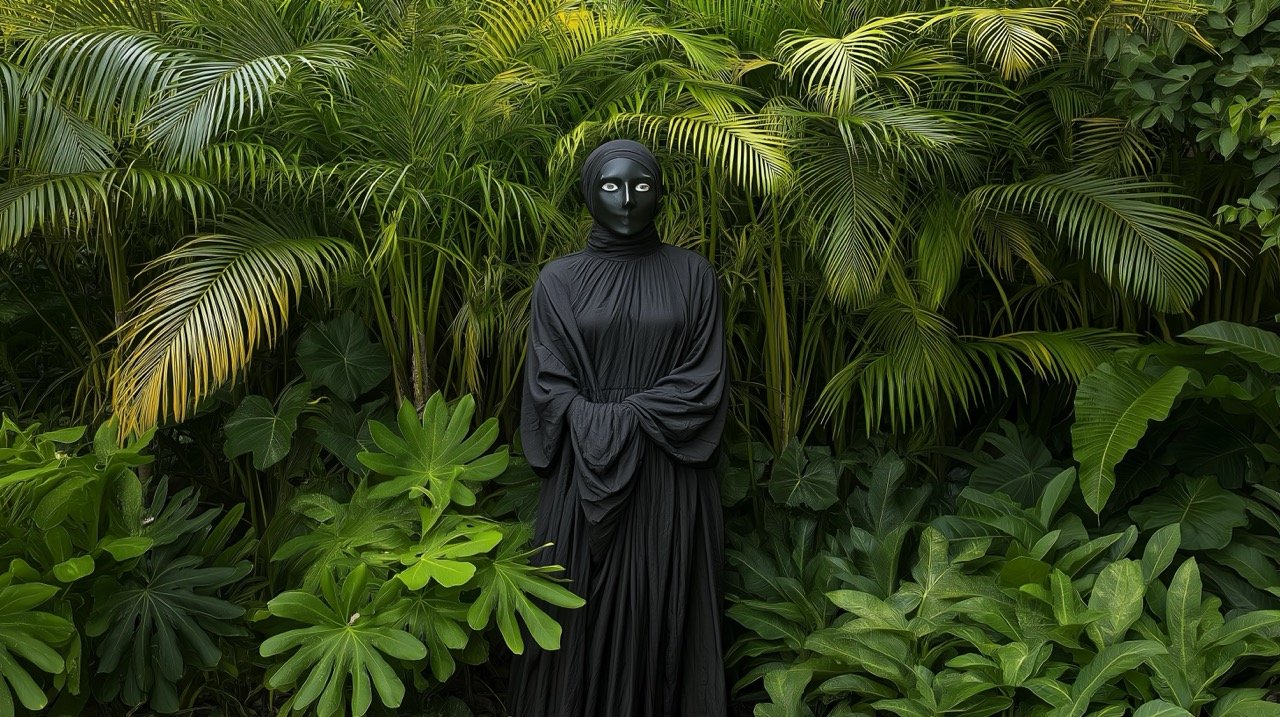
{"points": [[684, 412], [550, 384]]}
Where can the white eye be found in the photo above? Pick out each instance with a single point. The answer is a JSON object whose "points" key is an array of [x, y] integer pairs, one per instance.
{"points": [[609, 187], [642, 187]]}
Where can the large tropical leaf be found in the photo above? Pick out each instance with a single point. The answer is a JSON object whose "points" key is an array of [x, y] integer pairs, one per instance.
{"points": [[1204, 512], [1247, 342], [160, 620], [805, 476], [224, 296], [507, 582], [1113, 406], [339, 356], [30, 635], [258, 427]]}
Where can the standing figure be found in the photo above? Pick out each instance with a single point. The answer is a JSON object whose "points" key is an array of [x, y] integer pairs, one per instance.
{"points": [[623, 408]]}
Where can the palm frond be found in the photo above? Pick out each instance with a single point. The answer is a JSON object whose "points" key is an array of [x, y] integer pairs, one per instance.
{"points": [[63, 200], [911, 370], [206, 96], [222, 296], [852, 206], [35, 18], [1114, 146], [154, 191], [1013, 39], [1123, 228], [50, 138], [1051, 355], [111, 76], [748, 147], [835, 70]]}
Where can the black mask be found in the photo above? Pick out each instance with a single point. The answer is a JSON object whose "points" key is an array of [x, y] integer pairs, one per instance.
{"points": [[622, 186], [626, 196]]}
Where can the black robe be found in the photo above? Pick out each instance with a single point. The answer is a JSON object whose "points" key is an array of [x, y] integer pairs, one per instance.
{"points": [[624, 405]]}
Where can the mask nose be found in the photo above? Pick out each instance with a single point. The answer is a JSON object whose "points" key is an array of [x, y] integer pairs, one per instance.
{"points": [[627, 200]]}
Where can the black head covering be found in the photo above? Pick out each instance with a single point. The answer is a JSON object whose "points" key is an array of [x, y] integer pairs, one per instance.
{"points": [[601, 240]]}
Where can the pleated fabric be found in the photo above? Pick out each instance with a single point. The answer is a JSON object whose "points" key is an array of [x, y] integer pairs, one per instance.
{"points": [[623, 408]]}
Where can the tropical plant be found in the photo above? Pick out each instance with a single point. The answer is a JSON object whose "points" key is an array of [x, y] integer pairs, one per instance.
{"points": [[34, 636], [421, 580], [1010, 605], [140, 584]]}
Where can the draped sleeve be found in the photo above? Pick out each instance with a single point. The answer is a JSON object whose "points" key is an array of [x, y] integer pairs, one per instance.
{"points": [[550, 381], [684, 412]]}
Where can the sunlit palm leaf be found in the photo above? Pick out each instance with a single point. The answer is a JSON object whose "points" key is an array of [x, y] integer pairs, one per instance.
{"points": [[1050, 355], [223, 296], [34, 17], [1123, 228], [1013, 39], [835, 70], [749, 148]]}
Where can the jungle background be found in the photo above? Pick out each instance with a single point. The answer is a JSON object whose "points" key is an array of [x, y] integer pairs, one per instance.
{"points": [[1002, 294]]}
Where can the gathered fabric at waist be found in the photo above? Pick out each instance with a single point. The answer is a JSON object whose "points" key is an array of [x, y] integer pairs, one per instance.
{"points": [[609, 394]]}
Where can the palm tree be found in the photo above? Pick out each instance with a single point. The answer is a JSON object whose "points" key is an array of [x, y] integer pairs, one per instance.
{"points": [[889, 188]]}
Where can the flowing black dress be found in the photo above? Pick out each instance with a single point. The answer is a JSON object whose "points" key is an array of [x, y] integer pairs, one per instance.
{"points": [[624, 405]]}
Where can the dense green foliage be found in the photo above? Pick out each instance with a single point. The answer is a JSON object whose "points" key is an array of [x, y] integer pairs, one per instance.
{"points": [[1001, 286]]}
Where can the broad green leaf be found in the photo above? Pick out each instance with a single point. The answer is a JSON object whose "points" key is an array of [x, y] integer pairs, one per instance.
{"points": [[1245, 702], [1055, 495], [30, 636], [73, 569], [1113, 406], [125, 548], [1117, 596], [339, 356], [1160, 550], [881, 653], [1019, 662], [786, 688], [1258, 623], [1205, 513], [1247, 342], [1182, 615], [804, 476], [440, 555], [262, 429], [1109, 663], [163, 619], [1160, 708], [507, 583], [1021, 469], [748, 460]]}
